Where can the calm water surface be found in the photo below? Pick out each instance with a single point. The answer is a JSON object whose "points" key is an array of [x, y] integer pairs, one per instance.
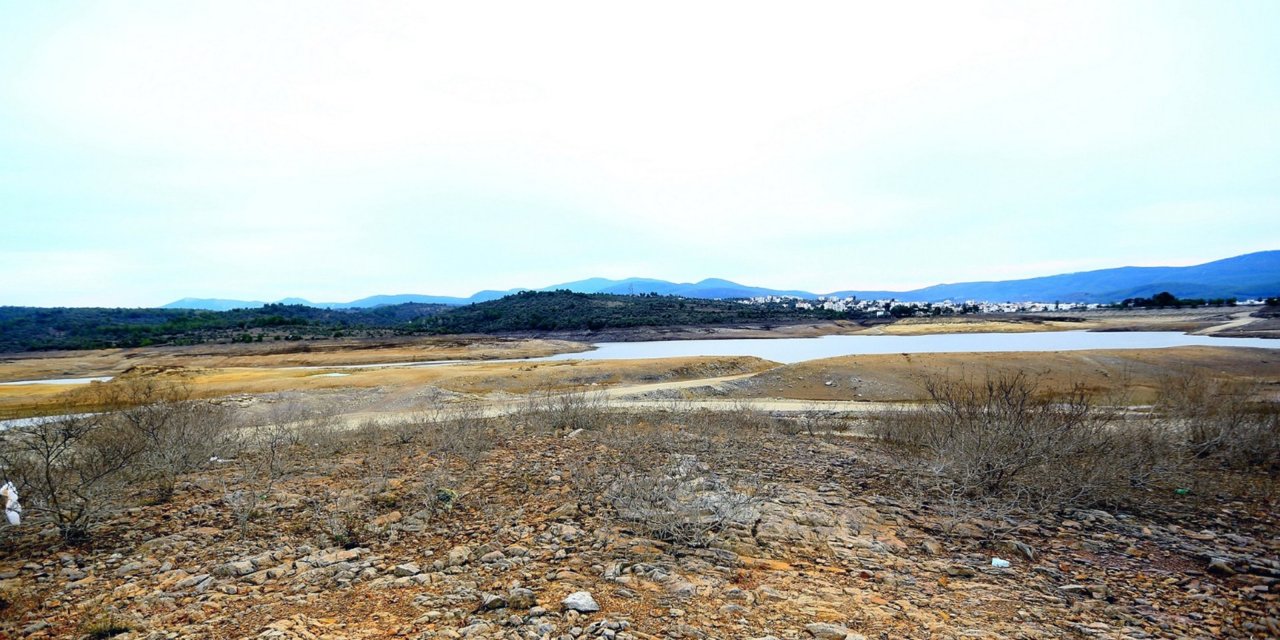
{"points": [[788, 350], [58, 381]]}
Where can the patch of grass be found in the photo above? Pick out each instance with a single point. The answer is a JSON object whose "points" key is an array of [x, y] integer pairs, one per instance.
{"points": [[105, 626]]}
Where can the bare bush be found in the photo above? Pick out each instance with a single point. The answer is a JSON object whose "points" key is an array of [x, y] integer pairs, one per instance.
{"points": [[1009, 439], [462, 431], [684, 502], [380, 455], [316, 426], [906, 426], [404, 431], [324, 434], [177, 434], [242, 504], [811, 422], [343, 519], [745, 418], [270, 444], [436, 494], [553, 410], [1220, 420], [71, 471]]}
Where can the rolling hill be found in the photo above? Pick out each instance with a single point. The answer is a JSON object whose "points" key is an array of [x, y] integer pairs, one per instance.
{"points": [[1248, 276]]}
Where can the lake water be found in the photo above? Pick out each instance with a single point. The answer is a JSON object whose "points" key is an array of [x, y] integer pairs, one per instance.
{"points": [[58, 381], [789, 350]]}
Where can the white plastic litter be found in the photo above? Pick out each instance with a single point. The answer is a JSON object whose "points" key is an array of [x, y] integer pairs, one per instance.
{"points": [[12, 508], [1000, 563]]}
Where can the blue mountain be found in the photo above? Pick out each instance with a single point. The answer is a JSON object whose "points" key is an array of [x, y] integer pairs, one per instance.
{"points": [[1253, 275], [212, 304]]}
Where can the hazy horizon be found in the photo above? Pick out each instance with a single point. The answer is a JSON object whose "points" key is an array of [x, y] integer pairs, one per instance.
{"points": [[539, 286], [152, 151]]}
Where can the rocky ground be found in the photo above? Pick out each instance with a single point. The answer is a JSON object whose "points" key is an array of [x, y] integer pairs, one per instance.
{"points": [[520, 534]]}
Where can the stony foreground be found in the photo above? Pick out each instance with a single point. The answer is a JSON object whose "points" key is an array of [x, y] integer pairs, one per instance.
{"points": [[834, 549]]}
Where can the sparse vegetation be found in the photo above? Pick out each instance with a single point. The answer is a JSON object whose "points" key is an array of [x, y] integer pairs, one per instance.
{"points": [[1221, 421], [36, 328], [1164, 299], [1008, 439], [175, 434], [107, 625], [72, 470], [661, 498], [684, 502], [566, 310], [39, 328]]}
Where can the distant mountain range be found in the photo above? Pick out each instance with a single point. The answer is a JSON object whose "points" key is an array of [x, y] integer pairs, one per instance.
{"points": [[1248, 276]]}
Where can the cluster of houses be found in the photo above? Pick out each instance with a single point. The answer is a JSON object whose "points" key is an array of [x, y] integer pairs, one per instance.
{"points": [[894, 307], [852, 304]]}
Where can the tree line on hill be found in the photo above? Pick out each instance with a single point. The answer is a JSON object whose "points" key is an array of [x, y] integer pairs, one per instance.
{"points": [[563, 310], [1164, 299], [38, 329]]}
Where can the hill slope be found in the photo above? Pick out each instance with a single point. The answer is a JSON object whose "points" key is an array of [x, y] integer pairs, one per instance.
{"points": [[36, 328], [566, 310], [1250, 275], [1253, 275]]}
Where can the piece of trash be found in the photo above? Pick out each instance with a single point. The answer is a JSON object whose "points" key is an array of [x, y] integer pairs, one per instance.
{"points": [[1000, 563], [12, 509], [1182, 492]]}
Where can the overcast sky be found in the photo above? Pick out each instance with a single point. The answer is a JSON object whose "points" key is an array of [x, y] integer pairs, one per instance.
{"points": [[333, 150]]}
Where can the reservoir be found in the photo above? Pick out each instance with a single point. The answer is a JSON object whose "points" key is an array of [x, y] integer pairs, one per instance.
{"points": [[790, 350]]}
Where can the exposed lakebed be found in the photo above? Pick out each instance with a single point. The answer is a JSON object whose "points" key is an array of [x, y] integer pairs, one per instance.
{"points": [[792, 350]]}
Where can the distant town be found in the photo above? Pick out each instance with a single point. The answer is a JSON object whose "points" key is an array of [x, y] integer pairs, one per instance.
{"points": [[892, 307]]}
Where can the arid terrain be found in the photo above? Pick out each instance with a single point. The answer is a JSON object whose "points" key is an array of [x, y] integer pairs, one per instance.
{"points": [[712, 497]]}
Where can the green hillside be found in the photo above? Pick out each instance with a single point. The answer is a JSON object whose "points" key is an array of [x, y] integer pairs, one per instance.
{"points": [[566, 310]]}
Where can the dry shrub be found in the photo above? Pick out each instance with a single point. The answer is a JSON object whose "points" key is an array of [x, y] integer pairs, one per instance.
{"points": [[106, 625], [745, 418], [810, 422], [242, 505], [177, 434], [904, 426], [653, 474], [462, 431], [292, 431], [406, 431], [1220, 420], [551, 410], [71, 471], [684, 502], [1008, 439], [436, 493], [343, 519], [307, 428]]}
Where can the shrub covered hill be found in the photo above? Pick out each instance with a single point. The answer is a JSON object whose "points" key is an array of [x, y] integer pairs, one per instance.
{"points": [[36, 328], [566, 310], [39, 328]]}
